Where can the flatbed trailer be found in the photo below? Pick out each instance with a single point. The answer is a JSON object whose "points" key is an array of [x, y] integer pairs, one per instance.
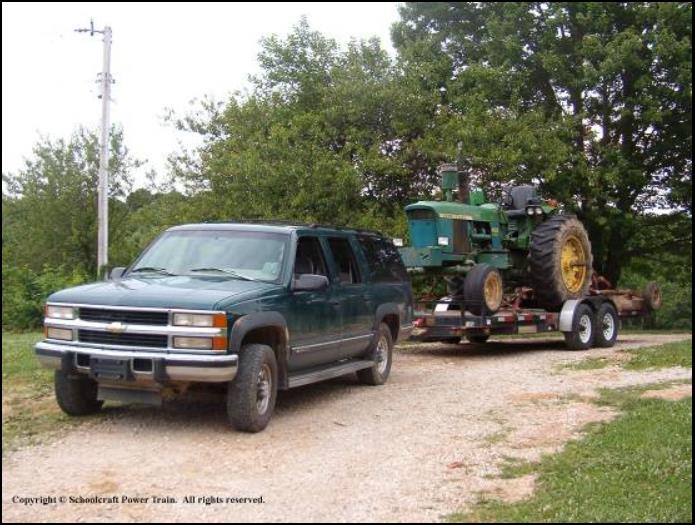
{"points": [[593, 320]]}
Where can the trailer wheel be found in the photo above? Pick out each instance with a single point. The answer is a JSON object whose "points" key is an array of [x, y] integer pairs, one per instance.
{"points": [[583, 329], [606, 326], [477, 338]]}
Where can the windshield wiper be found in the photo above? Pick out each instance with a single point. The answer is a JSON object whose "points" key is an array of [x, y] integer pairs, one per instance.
{"points": [[231, 273], [163, 271]]}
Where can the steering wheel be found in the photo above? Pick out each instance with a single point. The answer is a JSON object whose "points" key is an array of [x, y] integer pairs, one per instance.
{"points": [[504, 198]]}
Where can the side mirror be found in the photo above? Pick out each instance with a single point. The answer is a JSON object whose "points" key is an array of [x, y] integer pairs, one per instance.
{"points": [[117, 273], [310, 281]]}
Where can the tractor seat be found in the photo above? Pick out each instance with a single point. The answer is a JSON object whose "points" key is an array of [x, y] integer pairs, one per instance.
{"points": [[521, 196]]}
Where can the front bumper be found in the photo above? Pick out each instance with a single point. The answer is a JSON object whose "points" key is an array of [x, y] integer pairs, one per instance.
{"points": [[156, 366]]}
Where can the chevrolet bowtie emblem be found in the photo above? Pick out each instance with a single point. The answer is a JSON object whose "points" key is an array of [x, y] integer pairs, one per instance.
{"points": [[115, 328]]}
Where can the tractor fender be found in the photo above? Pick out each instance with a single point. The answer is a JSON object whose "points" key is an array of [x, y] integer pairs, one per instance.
{"points": [[251, 321]]}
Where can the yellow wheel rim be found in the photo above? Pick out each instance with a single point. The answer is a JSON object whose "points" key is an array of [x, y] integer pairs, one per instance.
{"points": [[493, 291], [573, 264]]}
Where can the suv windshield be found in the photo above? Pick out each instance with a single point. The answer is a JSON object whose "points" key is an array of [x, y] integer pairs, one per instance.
{"points": [[222, 253]]}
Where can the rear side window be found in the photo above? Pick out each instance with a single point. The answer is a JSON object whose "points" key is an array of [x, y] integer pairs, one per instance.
{"points": [[348, 273], [385, 262]]}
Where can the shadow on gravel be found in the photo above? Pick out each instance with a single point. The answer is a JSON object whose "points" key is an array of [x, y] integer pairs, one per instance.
{"points": [[495, 348], [207, 412]]}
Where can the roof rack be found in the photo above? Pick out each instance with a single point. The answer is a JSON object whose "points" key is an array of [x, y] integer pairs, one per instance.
{"points": [[282, 222]]}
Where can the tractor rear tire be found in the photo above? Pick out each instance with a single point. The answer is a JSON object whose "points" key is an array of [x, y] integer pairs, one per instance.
{"points": [[483, 289], [560, 261]]}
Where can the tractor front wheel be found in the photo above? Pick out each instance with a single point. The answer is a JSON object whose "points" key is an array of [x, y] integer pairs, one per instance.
{"points": [[483, 289]]}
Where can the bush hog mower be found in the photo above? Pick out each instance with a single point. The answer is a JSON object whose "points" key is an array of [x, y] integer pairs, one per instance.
{"points": [[518, 265]]}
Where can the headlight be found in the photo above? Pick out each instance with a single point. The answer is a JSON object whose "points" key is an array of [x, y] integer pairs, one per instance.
{"points": [[529, 210], [60, 312], [200, 320], [201, 343], [58, 333], [539, 211], [443, 241], [398, 243]]}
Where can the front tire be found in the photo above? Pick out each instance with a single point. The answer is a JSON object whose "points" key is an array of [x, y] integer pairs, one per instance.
{"points": [[76, 394], [252, 394], [483, 290], [383, 355], [606, 326], [583, 329]]}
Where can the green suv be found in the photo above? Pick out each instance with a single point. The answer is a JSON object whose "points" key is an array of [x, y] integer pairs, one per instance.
{"points": [[251, 308]]}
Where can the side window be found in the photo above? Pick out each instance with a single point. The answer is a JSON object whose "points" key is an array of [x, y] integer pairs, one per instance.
{"points": [[309, 258], [384, 260], [348, 272]]}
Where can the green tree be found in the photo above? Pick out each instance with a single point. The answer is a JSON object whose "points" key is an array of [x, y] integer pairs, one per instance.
{"points": [[326, 134], [49, 213], [592, 100]]}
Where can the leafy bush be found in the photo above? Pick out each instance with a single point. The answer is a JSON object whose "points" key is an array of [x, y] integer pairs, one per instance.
{"points": [[24, 293]]}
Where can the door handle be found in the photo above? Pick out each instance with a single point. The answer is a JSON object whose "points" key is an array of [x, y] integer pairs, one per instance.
{"points": [[334, 302]]}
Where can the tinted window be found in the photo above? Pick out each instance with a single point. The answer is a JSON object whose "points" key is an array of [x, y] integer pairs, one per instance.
{"points": [[384, 260], [348, 273], [309, 258]]}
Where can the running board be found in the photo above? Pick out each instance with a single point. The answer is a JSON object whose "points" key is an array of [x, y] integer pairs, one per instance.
{"points": [[315, 376]]}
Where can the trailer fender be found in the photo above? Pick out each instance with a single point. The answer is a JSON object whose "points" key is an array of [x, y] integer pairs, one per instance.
{"points": [[567, 314]]}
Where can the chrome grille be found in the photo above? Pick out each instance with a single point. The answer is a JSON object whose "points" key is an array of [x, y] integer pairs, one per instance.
{"points": [[124, 316]]}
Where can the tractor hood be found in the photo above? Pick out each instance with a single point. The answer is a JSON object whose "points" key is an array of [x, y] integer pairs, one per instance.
{"points": [[196, 293], [454, 210]]}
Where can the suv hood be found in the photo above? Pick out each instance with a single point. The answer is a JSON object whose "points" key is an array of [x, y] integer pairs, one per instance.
{"points": [[196, 293]]}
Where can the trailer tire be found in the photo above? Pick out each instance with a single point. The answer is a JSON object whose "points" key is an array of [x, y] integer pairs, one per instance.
{"points": [[583, 329], [483, 289], [477, 338], [606, 326]]}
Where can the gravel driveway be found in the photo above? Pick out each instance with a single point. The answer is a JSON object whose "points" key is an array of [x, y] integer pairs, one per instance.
{"points": [[424, 445]]}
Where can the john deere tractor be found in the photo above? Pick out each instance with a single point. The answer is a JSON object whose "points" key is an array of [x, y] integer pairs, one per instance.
{"points": [[485, 249]]}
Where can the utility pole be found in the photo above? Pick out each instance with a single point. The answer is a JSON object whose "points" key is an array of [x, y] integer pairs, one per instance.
{"points": [[103, 184]]}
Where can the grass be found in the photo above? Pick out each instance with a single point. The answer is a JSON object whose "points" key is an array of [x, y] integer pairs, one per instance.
{"points": [[679, 353], [667, 355], [636, 468], [29, 410]]}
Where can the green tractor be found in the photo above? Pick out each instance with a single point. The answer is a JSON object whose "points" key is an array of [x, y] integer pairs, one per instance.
{"points": [[521, 244]]}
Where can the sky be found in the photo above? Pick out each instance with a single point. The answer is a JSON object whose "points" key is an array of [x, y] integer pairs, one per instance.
{"points": [[163, 56]]}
